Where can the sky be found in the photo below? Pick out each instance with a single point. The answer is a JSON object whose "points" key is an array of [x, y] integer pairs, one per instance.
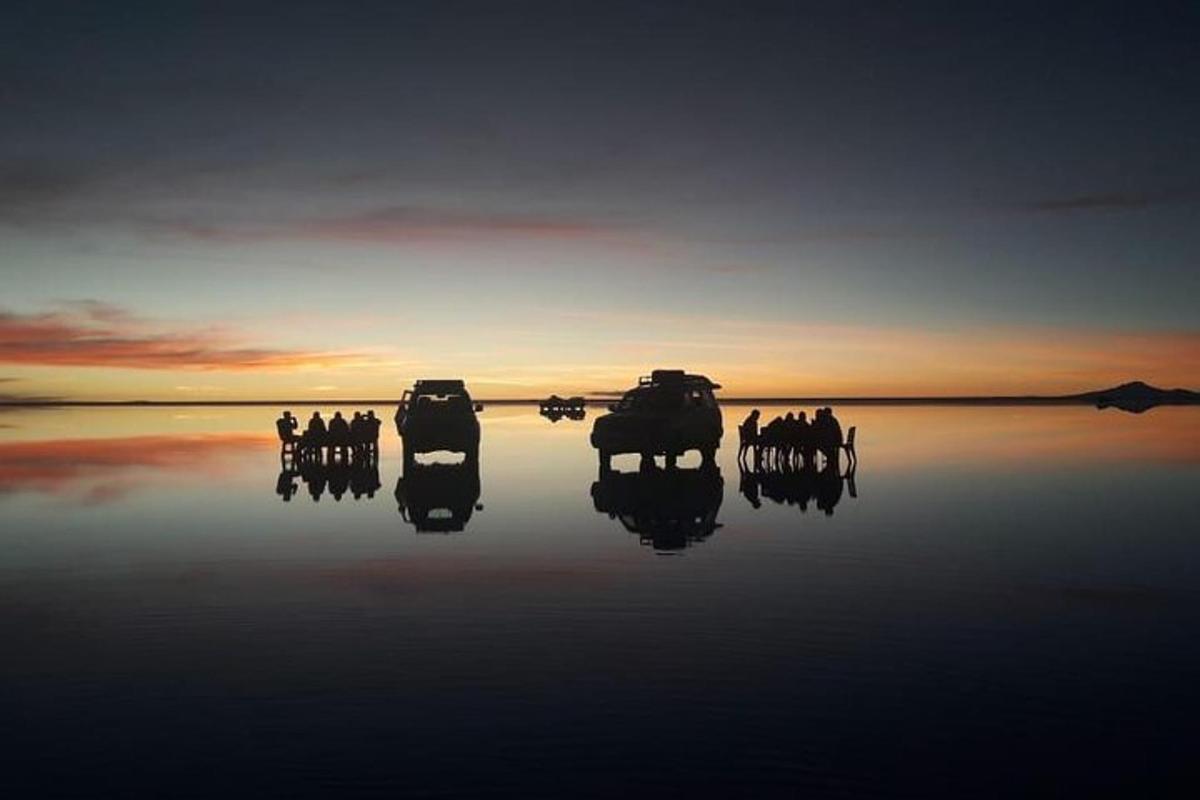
{"points": [[219, 201]]}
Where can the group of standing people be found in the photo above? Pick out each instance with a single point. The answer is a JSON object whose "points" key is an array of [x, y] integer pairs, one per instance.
{"points": [[358, 436], [791, 440]]}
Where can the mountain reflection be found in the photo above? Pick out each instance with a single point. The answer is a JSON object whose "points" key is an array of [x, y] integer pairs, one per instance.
{"points": [[669, 509], [438, 498]]}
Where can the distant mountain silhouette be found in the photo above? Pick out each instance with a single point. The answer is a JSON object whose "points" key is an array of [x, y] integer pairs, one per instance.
{"points": [[1137, 397]]}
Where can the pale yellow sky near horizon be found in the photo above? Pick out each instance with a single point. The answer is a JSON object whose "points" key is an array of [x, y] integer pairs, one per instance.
{"points": [[774, 361], [95, 351]]}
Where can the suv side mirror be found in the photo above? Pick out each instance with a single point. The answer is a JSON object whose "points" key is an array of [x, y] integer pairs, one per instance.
{"points": [[478, 407]]}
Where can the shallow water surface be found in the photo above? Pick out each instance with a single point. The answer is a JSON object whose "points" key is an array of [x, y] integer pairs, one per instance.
{"points": [[1000, 599]]}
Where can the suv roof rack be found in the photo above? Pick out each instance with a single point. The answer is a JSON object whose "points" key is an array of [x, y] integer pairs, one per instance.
{"points": [[440, 386], [675, 376]]}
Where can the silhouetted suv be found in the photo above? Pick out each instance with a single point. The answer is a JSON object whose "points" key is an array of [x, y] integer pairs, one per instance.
{"points": [[438, 415], [667, 414]]}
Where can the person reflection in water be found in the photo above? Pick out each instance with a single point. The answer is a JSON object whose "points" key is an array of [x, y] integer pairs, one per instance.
{"points": [[315, 475], [829, 488], [285, 486], [358, 476], [749, 487]]}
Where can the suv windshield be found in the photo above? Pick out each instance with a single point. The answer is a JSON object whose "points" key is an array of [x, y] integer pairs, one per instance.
{"points": [[656, 399]]}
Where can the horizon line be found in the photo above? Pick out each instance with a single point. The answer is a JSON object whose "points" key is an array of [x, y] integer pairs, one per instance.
{"points": [[1071, 399]]}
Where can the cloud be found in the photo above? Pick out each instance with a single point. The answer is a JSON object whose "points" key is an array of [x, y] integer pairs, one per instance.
{"points": [[1108, 201], [92, 334], [404, 225]]}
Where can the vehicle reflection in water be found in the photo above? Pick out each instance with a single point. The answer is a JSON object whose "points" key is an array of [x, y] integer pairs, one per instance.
{"points": [[799, 486], [438, 498], [556, 414], [357, 474], [669, 509]]}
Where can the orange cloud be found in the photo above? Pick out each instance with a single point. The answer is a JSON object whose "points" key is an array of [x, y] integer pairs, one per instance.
{"points": [[89, 334]]}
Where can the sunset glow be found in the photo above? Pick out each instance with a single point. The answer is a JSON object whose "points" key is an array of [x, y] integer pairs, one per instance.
{"points": [[223, 226]]}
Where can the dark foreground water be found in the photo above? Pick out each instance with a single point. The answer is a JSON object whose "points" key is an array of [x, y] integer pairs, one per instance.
{"points": [[1009, 603]]}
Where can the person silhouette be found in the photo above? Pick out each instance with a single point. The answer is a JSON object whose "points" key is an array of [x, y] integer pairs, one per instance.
{"points": [[804, 439], [789, 439], [831, 438], [835, 428], [316, 434], [286, 426], [748, 434], [358, 433], [820, 431], [339, 433], [289, 442], [371, 425]]}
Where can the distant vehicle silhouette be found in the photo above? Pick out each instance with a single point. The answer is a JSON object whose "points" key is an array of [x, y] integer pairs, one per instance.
{"points": [[563, 405], [667, 413], [555, 408], [438, 415], [556, 415], [438, 498], [669, 509]]}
